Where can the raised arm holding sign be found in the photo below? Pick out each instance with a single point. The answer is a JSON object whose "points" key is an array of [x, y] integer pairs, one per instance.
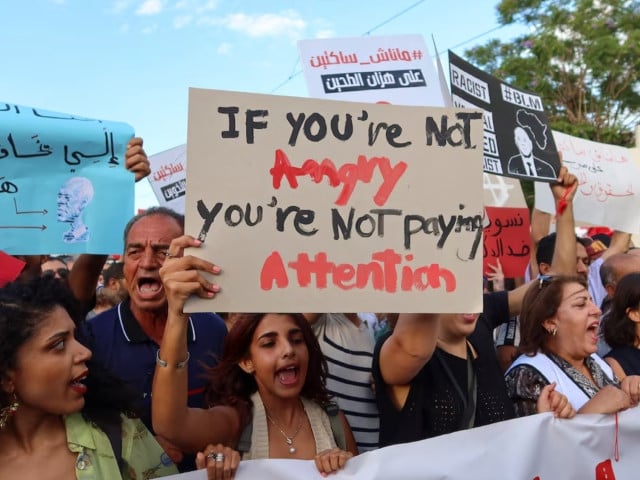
{"points": [[422, 363], [267, 395]]}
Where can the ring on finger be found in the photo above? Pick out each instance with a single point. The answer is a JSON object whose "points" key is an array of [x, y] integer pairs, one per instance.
{"points": [[168, 254], [219, 457]]}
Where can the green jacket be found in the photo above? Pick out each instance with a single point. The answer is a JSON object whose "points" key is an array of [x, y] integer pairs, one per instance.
{"points": [[143, 456]]}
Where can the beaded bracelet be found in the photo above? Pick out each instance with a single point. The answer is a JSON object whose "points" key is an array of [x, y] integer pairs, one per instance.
{"points": [[164, 364]]}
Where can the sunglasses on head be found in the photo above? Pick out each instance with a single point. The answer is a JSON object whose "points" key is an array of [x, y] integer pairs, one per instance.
{"points": [[544, 280]]}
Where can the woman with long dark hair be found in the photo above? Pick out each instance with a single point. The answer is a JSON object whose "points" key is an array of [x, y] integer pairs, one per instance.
{"points": [[267, 395]]}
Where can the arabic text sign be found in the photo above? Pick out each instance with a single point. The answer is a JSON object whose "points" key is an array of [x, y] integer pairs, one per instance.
{"points": [[506, 238], [392, 69], [517, 136], [538, 447], [609, 192], [168, 177], [63, 183], [369, 205]]}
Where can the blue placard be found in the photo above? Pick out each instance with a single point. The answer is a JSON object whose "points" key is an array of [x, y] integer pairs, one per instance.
{"points": [[64, 187]]}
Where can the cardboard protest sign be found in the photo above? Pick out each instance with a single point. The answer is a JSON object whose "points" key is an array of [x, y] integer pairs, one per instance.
{"points": [[537, 447], [168, 177], [517, 137], [63, 183], [507, 239], [315, 205], [386, 69], [609, 191]]}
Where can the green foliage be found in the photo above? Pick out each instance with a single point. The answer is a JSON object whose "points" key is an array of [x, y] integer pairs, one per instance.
{"points": [[529, 192], [582, 57]]}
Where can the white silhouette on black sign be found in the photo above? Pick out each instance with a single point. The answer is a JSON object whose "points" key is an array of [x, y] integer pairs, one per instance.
{"points": [[526, 164]]}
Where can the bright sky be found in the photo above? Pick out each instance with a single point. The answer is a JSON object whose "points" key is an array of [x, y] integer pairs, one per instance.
{"points": [[134, 60]]}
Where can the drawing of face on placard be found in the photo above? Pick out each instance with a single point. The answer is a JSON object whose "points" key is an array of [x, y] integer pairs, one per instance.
{"points": [[528, 135], [74, 195]]}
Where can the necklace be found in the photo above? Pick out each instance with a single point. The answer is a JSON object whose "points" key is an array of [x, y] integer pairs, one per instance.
{"points": [[287, 438]]}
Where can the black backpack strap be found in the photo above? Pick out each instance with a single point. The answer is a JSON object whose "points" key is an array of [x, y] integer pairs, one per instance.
{"points": [[244, 443], [114, 433], [336, 425]]}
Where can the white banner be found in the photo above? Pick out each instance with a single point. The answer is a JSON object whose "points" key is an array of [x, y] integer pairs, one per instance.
{"points": [[609, 192], [539, 447]]}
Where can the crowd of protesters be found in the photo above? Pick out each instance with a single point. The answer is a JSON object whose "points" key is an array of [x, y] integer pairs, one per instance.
{"points": [[103, 374]]}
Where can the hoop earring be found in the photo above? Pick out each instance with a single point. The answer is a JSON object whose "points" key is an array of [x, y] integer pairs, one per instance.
{"points": [[9, 411]]}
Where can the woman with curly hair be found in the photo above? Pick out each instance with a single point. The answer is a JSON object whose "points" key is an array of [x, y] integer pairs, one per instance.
{"points": [[61, 416]]}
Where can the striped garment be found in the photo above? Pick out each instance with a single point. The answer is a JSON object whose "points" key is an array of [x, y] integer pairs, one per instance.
{"points": [[348, 349]]}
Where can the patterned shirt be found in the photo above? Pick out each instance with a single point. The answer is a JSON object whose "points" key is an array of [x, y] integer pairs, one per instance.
{"points": [[525, 382]]}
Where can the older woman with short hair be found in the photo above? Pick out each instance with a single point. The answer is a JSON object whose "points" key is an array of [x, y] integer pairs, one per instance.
{"points": [[559, 335]]}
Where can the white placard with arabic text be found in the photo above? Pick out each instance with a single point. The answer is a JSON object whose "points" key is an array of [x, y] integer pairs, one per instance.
{"points": [[609, 191], [168, 177], [386, 69]]}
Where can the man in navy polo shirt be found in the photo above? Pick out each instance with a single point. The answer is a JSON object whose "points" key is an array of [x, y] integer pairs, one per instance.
{"points": [[126, 338]]}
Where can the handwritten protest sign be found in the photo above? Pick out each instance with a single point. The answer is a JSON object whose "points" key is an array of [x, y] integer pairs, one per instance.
{"points": [[538, 447], [517, 136], [609, 191], [63, 184], [168, 177], [310, 205], [506, 239], [387, 69]]}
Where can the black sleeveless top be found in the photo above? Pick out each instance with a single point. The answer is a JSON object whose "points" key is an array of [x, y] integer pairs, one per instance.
{"points": [[433, 406], [628, 358]]}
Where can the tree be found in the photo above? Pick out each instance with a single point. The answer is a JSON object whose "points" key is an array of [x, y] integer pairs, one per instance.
{"points": [[582, 57]]}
